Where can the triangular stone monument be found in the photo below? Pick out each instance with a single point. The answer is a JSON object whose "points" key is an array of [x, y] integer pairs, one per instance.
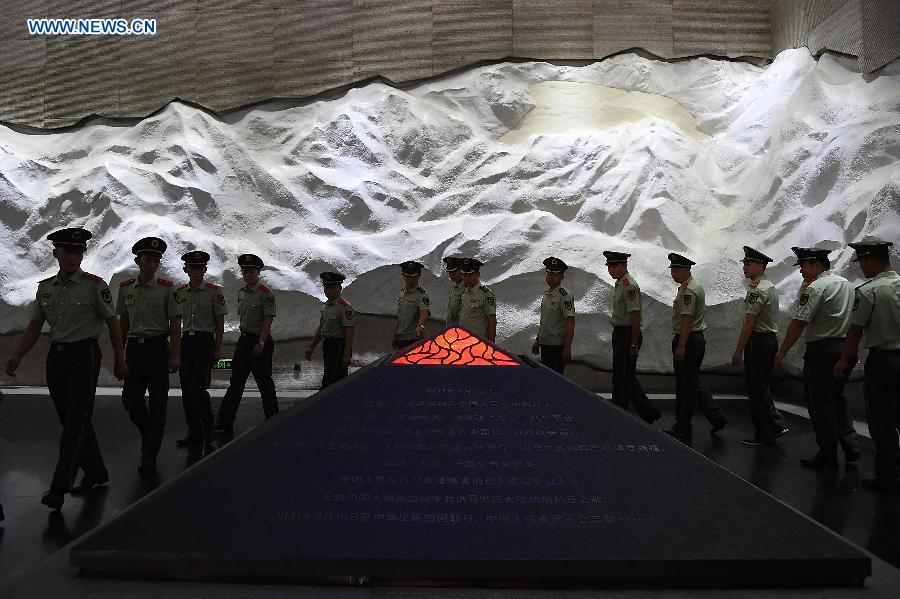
{"points": [[456, 462]]}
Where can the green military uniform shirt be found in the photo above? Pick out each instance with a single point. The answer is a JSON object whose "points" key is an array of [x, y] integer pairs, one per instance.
{"points": [[626, 299], [556, 306], [877, 309], [408, 305], [762, 301], [149, 307], [74, 308], [336, 314], [691, 301], [453, 302], [825, 305], [200, 307], [254, 304], [476, 304]]}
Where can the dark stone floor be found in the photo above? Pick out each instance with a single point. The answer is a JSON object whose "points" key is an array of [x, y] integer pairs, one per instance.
{"points": [[28, 446]]}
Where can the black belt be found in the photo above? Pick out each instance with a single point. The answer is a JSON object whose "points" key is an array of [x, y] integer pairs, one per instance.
{"points": [[875, 350], [829, 340], [151, 339], [196, 333], [763, 333], [70, 345]]}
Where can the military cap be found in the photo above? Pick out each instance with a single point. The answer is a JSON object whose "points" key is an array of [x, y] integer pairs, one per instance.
{"points": [[555, 265], [332, 278], [615, 257], [469, 265], [412, 268], [871, 247], [196, 258], [452, 263], [248, 260], [73, 237], [149, 245], [810, 254], [679, 260], [754, 255]]}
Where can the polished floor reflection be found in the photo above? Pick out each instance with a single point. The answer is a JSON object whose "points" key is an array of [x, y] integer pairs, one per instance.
{"points": [[28, 446]]}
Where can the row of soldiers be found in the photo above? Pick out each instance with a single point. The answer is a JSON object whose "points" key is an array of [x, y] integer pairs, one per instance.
{"points": [[157, 328]]}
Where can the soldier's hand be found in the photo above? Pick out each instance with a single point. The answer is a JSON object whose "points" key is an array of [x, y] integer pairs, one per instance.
{"points": [[779, 357], [174, 363], [12, 365], [258, 349], [633, 351], [840, 370], [216, 355], [120, 369], [345, 360], [535, 348], [679, 354], [736, 358], [308, 353], [567, 354]]}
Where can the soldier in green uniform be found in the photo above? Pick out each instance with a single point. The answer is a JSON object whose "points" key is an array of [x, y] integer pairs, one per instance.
{"points": [[203, 326], [478, 306], [335, 330], [255, 347], [75, 304], [557, 325], [688, 350], [757, 345], [456, 289], [150, 313], [627, 339], [822, 314], [876, 312], [413, 307]]}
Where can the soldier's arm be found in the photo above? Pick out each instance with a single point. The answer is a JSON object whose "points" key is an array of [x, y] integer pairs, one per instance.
{"points": [[848, 354], [746, 331], [220, 333], [794, 330], [491, 327], [124, 325], [115, 339], [635, 329], [317, 336], [423, 318], [175, 341], [348, 346], [265, 330], [686, 321], [26, 342], [567, 338]]}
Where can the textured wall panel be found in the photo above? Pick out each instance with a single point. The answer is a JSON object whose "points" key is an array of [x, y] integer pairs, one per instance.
{"points": [[723, 27], [22, 93], [621, 24], [553, 29], [838, 31], [229, 53], [470, 30], [392, 39], [880, 33]]}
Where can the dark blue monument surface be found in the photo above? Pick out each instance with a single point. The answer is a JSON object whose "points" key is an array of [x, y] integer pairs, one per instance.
{"points": [[467, 475]]}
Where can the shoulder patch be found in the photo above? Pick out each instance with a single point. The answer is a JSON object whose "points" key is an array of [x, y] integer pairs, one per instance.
{"points": [[165, 282], [212, 286], [92, 277], [626, 282], [264, 288], [632, 294], [182, 287], [804, 299], [562, 291], [127, 282]]}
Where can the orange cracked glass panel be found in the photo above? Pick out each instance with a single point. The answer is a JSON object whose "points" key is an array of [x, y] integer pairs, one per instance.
{"points": [[455, 347]]}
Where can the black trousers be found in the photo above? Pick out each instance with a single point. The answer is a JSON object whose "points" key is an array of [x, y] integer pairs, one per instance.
{"points": [[243, 362], [626, 388], [883, 409], [72, 371], [333, 352], [829, 411], [552, 357], [148, 370], [759, 359], [689, 390], [195, 374]]}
